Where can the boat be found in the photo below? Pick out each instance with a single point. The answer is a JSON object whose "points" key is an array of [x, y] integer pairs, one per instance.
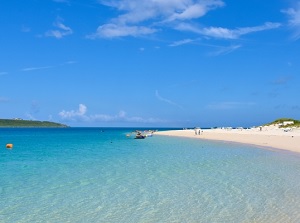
{"points": [[139, 136]]}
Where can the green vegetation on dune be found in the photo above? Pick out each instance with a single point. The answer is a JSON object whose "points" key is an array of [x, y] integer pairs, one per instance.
{"points": [[282, 120], [29, 123]]}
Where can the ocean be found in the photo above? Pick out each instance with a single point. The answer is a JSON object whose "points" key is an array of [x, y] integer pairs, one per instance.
{"points": [[100, 175]]}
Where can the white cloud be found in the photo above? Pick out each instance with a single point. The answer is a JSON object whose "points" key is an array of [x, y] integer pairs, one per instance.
{"points": [[73, 115], [30, 116], [47, 67], [36, 68], [142, 10], [70, 62], [81, 115], [114, 30], [224, 33], [194, 10], [294, 20], [61, 31], [225, 50], [181, 42], [140, 17], [144, 17], [166, 100], [50, 118]]}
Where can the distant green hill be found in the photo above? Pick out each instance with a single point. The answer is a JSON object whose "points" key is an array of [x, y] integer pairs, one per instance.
{"points": [[282, 120], [29, 123]]}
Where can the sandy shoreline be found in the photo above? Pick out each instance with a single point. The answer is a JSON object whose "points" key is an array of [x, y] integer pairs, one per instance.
{"points": [[273, 138]]}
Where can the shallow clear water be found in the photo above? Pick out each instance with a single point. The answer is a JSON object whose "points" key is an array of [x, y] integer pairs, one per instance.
{"points": [[100, 175]]}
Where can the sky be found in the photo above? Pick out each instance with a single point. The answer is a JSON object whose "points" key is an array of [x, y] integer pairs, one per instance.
{"points": [[150, 63]]}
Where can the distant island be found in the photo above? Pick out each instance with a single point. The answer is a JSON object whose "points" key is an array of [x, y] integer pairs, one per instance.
{"points": [[14, 123]]}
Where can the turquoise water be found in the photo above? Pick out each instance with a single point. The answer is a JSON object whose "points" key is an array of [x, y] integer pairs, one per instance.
{"points": [[100, 175]]}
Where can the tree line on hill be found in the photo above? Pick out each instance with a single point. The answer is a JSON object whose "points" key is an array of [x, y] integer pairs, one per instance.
{"points": [[29, 123]]}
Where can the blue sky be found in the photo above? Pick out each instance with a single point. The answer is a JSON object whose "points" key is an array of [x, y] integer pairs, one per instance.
{"points": [[156, 63]]}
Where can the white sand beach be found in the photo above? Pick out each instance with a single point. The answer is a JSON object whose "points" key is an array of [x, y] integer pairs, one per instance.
{"points": [[270, 137]]}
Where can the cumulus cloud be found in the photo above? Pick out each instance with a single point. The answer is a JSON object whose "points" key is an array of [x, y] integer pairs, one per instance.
{"points": [[30, 116], [75, 114], [81, 115], [294, 20], [61, 31], [113, 30]]}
